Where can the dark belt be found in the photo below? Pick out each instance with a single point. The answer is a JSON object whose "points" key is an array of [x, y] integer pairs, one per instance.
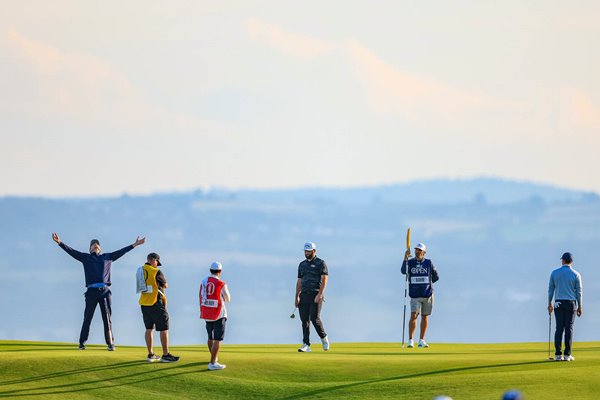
{"points": [[98, 288]]}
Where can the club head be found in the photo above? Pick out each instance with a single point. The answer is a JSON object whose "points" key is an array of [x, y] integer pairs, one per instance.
{"points": [[293, 316]]}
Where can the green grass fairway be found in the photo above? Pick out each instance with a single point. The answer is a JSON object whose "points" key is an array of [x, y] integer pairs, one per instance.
{"points": [[348, 370]]}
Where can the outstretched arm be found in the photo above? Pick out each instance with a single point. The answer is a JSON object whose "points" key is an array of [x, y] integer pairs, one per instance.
{"points": [[115, 255], [72, 252]]}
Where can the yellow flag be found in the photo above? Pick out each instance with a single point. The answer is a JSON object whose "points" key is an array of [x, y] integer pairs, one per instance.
{"points": [[408, 239]]}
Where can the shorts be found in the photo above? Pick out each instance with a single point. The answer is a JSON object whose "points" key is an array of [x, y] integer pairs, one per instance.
{"points": [[216, 329], [421, 305], [156, 317]]}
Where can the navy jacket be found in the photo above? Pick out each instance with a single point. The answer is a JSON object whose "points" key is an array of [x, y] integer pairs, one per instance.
{"points": [[421, 277], [96, 267]]}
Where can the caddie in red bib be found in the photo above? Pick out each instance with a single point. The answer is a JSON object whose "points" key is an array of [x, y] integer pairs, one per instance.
{"points": [[211, 303], [213, 296]]}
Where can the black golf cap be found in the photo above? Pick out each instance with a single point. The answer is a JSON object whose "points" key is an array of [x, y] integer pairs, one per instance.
{"points": [[567, 257], [94, 241], [156, 257]]}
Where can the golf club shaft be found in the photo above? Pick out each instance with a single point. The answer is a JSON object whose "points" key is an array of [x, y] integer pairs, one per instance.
{"points": [[549, 332]]}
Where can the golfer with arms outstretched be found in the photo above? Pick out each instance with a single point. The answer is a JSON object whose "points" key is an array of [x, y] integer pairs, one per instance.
{"points": [[97, 267]]}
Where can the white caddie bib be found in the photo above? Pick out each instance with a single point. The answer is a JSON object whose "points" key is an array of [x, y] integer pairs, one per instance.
{"points": [[210, 303], [416, 280]]}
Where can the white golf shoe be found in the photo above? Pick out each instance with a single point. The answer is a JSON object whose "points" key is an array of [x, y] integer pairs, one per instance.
{"points": [[304, 349], [568, 358], [558, 358], [423, 343], [216, 366], [152, 358], [325, 342], [411, 343]]}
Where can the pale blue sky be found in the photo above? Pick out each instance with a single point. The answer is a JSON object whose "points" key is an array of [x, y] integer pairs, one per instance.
{"points": [[107, 97]]}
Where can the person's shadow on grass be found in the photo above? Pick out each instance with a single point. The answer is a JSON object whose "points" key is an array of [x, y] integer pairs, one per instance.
{"points": [[145, 373], [400, 377]]}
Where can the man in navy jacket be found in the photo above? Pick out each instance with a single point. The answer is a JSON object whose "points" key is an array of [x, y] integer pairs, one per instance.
{"points": [[97, 266], [421, 277]]}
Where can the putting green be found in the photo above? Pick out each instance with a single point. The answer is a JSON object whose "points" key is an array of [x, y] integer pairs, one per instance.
{"points": [[348, 370]]}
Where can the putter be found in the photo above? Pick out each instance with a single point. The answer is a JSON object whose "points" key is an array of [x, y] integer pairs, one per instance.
{"points": [[293, 313], [549, 333]]}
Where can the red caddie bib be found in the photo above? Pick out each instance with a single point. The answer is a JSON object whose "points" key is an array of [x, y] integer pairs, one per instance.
{"points": [[210, 298]]}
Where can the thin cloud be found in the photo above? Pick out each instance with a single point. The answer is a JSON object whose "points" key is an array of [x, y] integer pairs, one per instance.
{"points": [[560, 112], [584, 113], [288, 43], [70, 82], [84, 88], [392, 90]]}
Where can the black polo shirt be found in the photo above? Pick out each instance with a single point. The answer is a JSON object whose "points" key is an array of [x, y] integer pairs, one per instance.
{"points": [[310, 274]]}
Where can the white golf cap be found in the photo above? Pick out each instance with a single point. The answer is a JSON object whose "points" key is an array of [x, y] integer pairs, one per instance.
{"points": [[421, 246], [309, 246], [216, 266]]}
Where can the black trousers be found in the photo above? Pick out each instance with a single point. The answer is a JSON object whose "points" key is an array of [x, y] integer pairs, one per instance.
{"points": [[93, 297], [310, 312], [564, 312]]}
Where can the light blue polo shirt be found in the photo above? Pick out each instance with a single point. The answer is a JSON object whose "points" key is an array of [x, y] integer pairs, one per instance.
{"points": [[565, 284]]}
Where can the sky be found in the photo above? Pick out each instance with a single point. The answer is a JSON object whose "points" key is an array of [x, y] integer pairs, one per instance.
{"points": [[104, 98]]}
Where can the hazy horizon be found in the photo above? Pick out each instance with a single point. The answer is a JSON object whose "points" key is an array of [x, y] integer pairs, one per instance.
{"points": [[217, 189]]}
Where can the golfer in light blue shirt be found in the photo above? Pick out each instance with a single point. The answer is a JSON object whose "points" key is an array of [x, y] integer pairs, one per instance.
{"points": [[565, 288]]}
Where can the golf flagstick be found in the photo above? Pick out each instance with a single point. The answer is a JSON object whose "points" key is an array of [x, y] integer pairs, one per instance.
{"points": [[405, 286]]}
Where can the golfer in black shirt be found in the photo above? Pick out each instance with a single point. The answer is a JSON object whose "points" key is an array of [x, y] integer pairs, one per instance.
{"points": [[310, 289]]}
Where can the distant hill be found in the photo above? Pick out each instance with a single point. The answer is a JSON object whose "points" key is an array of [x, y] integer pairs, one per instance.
{"points": [[435, 191], [494, 243]]}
